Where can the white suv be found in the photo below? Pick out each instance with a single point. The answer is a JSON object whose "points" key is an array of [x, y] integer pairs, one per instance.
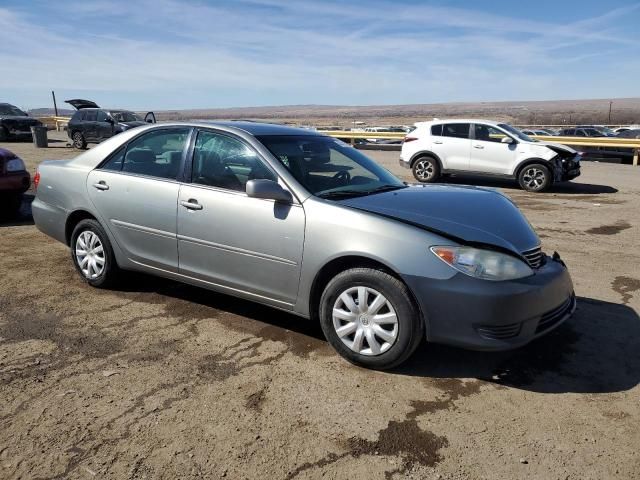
{"points": [[489, 148]]}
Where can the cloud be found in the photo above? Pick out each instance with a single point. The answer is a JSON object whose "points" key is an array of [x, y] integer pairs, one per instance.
{"points": [[171, 54]]}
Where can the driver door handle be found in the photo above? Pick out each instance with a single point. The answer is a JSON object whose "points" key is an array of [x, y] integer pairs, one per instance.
{"points": [[191, 204], [101, 185], [478, 146]]}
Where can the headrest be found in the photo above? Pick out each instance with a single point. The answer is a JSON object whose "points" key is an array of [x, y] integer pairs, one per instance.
{"points": [[141, 156]]}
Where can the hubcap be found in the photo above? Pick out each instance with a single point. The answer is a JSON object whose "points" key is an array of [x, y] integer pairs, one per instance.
{"points": [[424, 169], [365, 321], [90, 254], [533, 178]]}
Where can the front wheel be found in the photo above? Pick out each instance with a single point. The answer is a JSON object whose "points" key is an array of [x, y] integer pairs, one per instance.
{"points": [[369, 318], [426, 169], [534, 178], [92, 254]]}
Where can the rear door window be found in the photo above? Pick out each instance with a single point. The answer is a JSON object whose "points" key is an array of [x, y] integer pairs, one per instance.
{"points": [[157, 153], [90, 115], [457, 130]]}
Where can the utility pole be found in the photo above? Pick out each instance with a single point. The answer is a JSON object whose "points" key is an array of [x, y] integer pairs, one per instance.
{"points": [[610, 104], [55, 106]]}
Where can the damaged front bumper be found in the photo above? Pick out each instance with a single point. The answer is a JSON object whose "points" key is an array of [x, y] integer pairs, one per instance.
{"points": [[566, 168]]}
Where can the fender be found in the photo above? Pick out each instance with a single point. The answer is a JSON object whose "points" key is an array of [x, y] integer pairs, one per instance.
{"points": [[529, 161], [425, 153]]}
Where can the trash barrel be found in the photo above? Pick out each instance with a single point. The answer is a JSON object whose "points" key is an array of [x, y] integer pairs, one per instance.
{"points": [[39, 135]]}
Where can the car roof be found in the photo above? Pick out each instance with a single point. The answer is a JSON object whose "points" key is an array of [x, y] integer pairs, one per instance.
{"points": [[257, 128], [458, 120]]}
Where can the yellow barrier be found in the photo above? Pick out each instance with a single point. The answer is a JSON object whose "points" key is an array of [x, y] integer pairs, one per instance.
{"points": [[57, 122]]}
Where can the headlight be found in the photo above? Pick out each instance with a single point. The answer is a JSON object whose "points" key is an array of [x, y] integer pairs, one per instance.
{"points": [[15, 165], [484, 264]]}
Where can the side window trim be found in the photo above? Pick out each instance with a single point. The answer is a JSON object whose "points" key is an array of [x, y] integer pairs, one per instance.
{"points": [[125, 146]]}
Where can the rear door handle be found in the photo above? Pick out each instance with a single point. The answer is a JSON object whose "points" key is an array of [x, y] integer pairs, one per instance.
{"points": [[478, 146], [191, 204], [439, 142], [101, 185]]}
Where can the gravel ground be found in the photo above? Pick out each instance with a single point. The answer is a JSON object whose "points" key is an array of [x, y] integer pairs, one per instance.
{"points": [[159, 380]]}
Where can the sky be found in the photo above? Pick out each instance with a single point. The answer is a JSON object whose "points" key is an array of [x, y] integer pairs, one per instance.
{"points": [[178, 54]]}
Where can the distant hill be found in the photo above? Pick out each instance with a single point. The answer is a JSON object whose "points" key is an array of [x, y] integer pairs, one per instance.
{"points": [[47, 112], [550, 112]]}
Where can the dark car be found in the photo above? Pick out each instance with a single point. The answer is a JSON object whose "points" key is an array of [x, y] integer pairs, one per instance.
{"points": [[92, 124], [581, 132], [14, 123], [14, 181], [631, 133]]}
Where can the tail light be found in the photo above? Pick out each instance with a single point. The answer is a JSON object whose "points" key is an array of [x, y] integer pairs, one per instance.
{"points": [[410, 139], [36, 179]]}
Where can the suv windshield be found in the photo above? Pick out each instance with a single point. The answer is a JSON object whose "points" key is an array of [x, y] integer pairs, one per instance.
{"points": [[11, 110], [328, 167], [516, 133], [124, 116]]}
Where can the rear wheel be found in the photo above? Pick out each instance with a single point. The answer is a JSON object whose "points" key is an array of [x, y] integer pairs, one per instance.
{"points": [[92, 254], [426, 169], [79, 141], [535, 178], [368, 316]]}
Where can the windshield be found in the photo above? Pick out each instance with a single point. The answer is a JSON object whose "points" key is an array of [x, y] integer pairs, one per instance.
{"points": [[124, 116], [328, 167], [11, 110], [515, 132]]}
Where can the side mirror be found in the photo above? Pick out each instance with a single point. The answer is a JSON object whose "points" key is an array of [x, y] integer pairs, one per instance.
{"points": [[506, 140], [268, 189], [110, 120]]}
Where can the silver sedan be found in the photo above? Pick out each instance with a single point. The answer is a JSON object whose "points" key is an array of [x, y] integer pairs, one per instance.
{"points": [[310, 225]]}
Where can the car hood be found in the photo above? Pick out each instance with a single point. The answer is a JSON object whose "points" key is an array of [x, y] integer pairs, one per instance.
{"points": [[469, 215], [558, 148], [133, 124]]}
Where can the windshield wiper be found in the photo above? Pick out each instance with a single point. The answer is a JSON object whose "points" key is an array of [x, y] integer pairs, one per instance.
{"points": [[343, 194], [385, 188]]}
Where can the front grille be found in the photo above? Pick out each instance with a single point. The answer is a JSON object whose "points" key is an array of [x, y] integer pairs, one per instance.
{"points": [[554, 316], [499, 332], [534, 257]]}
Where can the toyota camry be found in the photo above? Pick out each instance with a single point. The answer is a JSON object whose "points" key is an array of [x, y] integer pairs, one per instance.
{"points": [[307, 224]]}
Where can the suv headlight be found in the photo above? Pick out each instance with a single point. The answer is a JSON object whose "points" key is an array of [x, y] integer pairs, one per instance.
{"points": [[15, 165], [483, 264]]}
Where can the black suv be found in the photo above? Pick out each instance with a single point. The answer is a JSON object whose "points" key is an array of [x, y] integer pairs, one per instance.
{"points": [[92, 124], [14, 123]]}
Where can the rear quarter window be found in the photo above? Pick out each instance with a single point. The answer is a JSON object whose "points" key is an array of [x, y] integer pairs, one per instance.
{"points": [[77, 116], [436, 130]]}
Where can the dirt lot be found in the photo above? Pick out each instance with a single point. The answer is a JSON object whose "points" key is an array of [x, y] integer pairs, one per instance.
{"points": [[160, 380]]}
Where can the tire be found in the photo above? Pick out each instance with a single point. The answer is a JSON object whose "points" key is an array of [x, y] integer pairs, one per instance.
{"points": [[535, 178], [90, 272], [426, 169], [407, 331], [4, 134], [79, 141]]}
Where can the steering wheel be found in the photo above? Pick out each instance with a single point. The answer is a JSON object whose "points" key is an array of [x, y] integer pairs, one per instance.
{"points": [[343, 176]]}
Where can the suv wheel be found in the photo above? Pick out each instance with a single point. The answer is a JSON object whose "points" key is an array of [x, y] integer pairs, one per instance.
{"points": [[92, 254], [79, 141], [369, 318], [534, 178], [426, 169]]}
